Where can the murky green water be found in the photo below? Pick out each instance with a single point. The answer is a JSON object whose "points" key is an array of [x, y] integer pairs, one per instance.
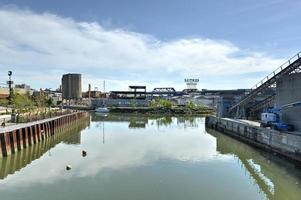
{"points": [[135, 157]]}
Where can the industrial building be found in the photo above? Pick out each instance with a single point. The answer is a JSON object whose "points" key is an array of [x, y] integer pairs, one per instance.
{"points": [[277, 95], [18, 89], [93, 94], [141, 98], [135, 92], [288, 91], [72, 86]]}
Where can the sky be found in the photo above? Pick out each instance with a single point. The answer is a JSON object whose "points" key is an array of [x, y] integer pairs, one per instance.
{"points": [[226, 44]]}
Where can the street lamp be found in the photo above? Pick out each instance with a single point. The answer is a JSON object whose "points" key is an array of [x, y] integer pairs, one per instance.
{"points": [[10, 83]]}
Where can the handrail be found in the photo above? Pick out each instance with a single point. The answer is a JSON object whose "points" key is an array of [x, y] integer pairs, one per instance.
{"points": [[269, 77], [286, 64]]}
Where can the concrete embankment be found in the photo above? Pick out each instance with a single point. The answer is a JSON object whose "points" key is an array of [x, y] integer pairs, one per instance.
{"points": [[15, 138], [282, 143]]}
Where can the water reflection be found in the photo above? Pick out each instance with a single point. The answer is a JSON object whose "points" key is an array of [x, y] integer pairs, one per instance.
{"points": [[135, 121], [19, 160], [141, 121], [147, 157], [276, 178], [111, 144]]}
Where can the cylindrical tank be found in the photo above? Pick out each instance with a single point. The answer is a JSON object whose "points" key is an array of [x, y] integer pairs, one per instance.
{"points": [[72, 86]]}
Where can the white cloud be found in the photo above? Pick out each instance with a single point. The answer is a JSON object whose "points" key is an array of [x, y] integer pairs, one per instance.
{"points": [[140, 147], [39, 48]]}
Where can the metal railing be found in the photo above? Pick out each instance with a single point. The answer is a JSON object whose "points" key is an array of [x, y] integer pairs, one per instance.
{"points": [[277, 71], [267, 79]]}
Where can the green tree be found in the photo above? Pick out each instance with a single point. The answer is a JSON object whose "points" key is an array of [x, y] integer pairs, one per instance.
{"points": [[42, 101], [49, 102], [22, 101]]}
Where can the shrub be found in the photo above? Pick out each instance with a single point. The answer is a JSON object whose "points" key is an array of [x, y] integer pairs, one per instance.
{"points": [[161, 103], [133, 103], [190, 105]]}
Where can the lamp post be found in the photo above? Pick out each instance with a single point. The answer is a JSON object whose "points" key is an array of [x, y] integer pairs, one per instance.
{"points": [[10, 83]]}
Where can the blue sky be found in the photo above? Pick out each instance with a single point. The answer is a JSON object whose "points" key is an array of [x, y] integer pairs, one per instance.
{"points": [[227, 44]]}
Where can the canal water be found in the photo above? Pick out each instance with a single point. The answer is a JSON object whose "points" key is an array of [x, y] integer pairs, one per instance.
{"points": [[131, 157]]}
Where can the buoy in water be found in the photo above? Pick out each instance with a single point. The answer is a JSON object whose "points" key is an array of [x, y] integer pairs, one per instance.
{"points": [[68, 167], [84, 153]]}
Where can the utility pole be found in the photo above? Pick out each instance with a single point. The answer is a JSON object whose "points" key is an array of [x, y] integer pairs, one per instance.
{"points": [[104, 86], [10, 83], [89, 91]]}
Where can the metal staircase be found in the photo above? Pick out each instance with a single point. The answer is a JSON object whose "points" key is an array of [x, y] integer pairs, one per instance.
{"points": [[293, 64]]}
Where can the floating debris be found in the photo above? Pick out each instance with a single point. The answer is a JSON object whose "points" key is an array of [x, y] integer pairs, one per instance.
{"points": [[68, 167], [84, 153]]}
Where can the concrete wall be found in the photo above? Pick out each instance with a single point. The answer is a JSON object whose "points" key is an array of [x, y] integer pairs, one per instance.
{"points": [[205, 100], [287, 145], [289, 91]]}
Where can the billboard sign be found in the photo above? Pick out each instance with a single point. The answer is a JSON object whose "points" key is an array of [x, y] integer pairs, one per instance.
{"points": [[191, 83]]}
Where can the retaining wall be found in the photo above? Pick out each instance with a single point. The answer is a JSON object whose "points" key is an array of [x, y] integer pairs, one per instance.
{"points": [[285, 144], [20, 159], [17, 137]]}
